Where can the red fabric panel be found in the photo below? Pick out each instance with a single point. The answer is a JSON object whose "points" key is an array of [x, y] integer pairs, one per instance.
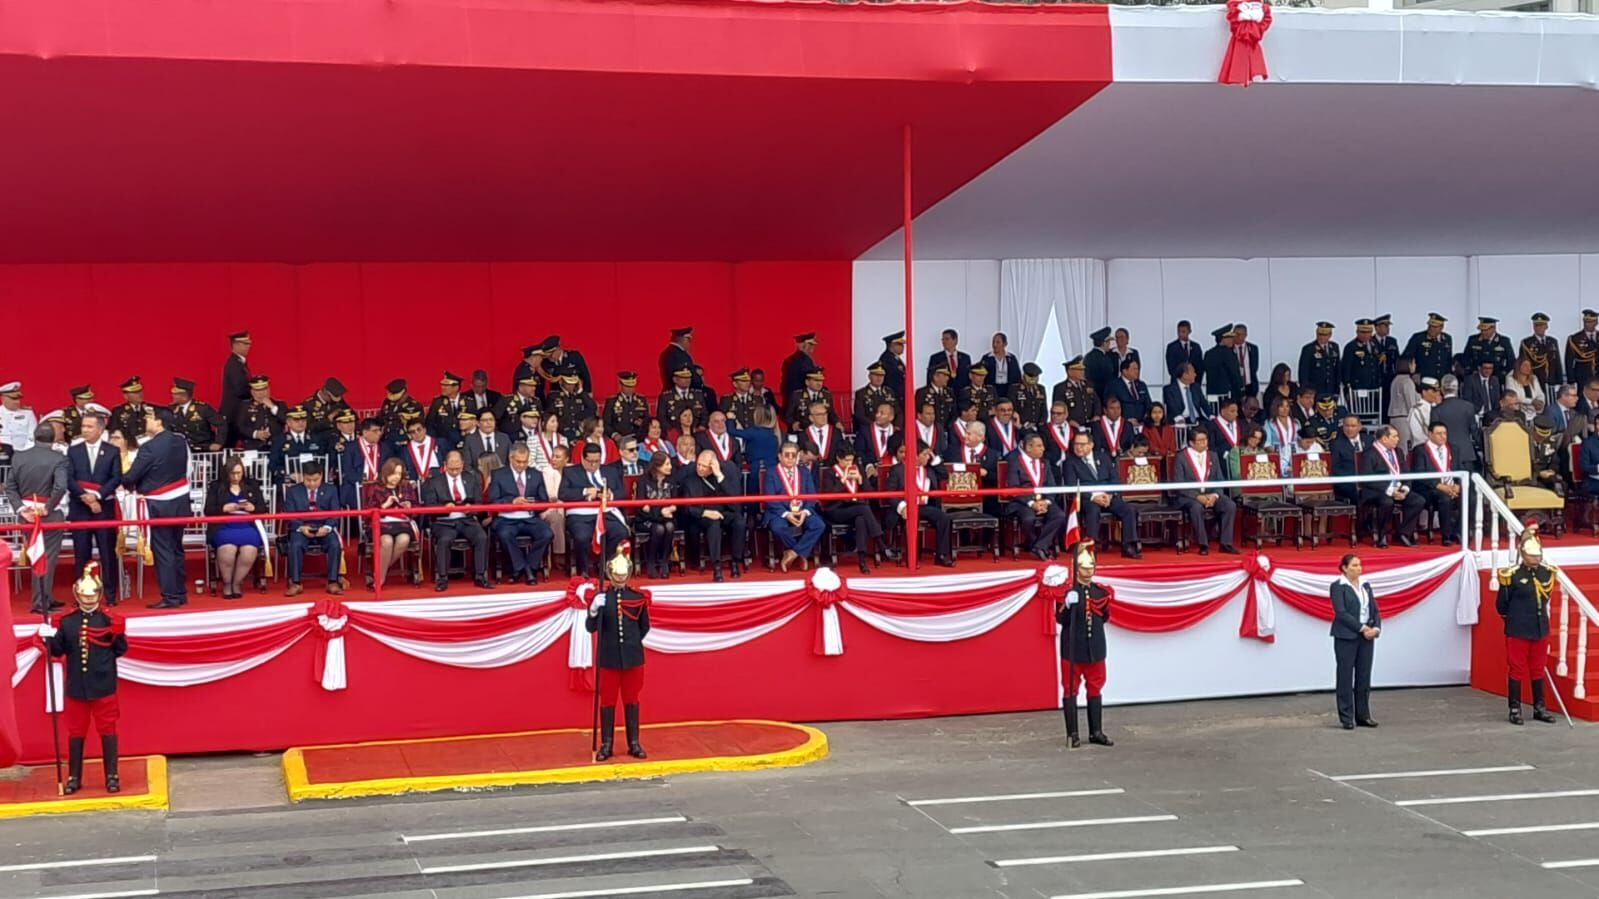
{"points": [[730, 616], [219, 647], [10, 741], [932, 604], [450, 631], [1160, 619]]}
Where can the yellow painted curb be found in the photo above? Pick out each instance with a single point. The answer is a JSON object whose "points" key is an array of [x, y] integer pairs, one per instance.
{"points": [[155, 775], [300, 787]]}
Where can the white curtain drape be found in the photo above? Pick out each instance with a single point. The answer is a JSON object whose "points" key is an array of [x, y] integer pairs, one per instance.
{"points": [[1029, 289]]}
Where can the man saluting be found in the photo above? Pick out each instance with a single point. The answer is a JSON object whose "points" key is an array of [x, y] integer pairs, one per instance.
{"points": [[621, 615]]}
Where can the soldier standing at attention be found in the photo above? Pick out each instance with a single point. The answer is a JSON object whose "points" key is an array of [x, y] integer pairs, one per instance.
{"points": [[1523, 603], [1433, 349]]}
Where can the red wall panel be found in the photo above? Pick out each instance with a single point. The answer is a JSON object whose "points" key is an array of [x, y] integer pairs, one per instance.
{"points": [[368, 322]]}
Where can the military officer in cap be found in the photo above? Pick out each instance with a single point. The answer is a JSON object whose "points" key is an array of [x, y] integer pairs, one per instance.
{"points": [[626, 414], [1433, 349], [621, 618], [1523, 603], [1082, 402], [346, 465], [1326, 420], [938, 395], [893, 362], [323, 408], [1098, 365], [800, 401], [531, 366], [193, 420], [572, 405], [82, 401], [873, 394], [1083, 611], [676, 355], [17, 422], [128, 416], [261, 419], [799, 363], [1223, 377], [1361, 364], [1582, 351], [524, 399], [398, 408], [235, 384], [560, 361], [440, 417], [1319, 362], [681, 395], [977, 393], [740, 405], [1488, 345], [1387, 348], [1027, 395], [1542, 351], [293, 448], [89, 639]]}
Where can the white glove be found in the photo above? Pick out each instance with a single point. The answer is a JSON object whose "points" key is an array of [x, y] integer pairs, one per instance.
{"points": [[46, 632], [597, 604], [1072, 597]]}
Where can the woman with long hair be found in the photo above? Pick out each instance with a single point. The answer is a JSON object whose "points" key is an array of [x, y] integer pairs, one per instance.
{"points": [[237, 543], [1528, 388], [543, 444], [1159, 432], [660, 516], [391, 491], [1402, 394], [1280, 384], [654, 440]]}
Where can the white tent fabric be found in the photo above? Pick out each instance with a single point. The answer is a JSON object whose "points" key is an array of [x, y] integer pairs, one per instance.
{"points": [[1029, 289]]}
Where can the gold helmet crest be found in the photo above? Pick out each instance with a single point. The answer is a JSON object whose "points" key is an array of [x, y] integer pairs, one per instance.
{"points": [[620, 567]]}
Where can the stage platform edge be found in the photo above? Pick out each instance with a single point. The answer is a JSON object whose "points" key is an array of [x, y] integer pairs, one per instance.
{"points": [[482, 761], [144, 786]]}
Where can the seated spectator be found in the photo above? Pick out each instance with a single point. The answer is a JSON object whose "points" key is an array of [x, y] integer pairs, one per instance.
{"points": [[455, 485], [1346, 451], [1226, 431], [930, 509], [237, 543], [1442, 495], [560, 458], [794, 523], [1130, 390], [391, 491], [716, 438], [542, 444], [1111, 430], [820, 441], [843, 476], [975, 454], [1252, 444], [518, 484], [587, 483], [1197, 464], [1183, 398], [1509, 408], [592, 430], [1088, 467], [654, 440], [713, 477], [1380, 497], [659, 518], [684, 425], [1159, 436], [631, 463], [310, 497]]}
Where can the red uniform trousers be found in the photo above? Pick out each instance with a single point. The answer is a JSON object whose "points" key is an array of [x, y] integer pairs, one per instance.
{"points": [[1074, 674], [627, 681], [1527, 658], [105, 711]]}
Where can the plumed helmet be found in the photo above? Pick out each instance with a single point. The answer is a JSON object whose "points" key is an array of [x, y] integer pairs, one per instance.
{"points": [[620, 568]]}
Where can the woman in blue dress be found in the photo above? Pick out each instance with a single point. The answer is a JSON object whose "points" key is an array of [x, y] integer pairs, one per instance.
{"points": [[237, 543]]}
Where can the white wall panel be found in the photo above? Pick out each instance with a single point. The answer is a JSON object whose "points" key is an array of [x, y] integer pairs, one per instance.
{"points": [[1512, 288], [1132, 300], [1305, 291], [1411, 287], [960, 293]]}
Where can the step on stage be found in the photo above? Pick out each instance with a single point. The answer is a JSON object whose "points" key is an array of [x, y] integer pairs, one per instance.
{"points": [[144, 786]]}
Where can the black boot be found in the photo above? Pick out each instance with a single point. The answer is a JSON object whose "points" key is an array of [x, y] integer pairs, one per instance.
{"points": [[1071, 722], [108, 752], [1096, 718], [1513, 691], [607, 727], [1539, 713], [634, 748], [74, 765], [716, 572]]}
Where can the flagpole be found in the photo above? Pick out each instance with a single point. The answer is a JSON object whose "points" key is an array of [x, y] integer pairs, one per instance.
{"points": [[911, 452]]}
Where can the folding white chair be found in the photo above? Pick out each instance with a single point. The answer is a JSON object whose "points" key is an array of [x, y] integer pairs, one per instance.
{"points": [[1365, 405]]}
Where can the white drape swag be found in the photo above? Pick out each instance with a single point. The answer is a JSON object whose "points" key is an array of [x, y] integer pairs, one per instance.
{"points": [[1029, 289]]}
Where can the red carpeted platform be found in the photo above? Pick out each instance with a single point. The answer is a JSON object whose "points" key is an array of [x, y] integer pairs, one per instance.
{"points": [[144, 785], [554, 756]]}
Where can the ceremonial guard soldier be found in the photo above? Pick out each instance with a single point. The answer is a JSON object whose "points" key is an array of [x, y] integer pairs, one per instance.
{"points": [[1082, 402], [875, 393], [977, 393], [195, 421], [1032, 406], [523, 399], [938, 395], [1582, 351], [627, 414], [443, 409], [1098, 365], [128, 416], [261, 419], [1083, 612], [235, 384], [1523, 603], [17, 422], [90, 639], [72, 416], [1542, 351], [560, 361], [1488, 345], [681, 395], [398, 408], [800, 401], [740, 405], [1362, 363], [621, 618], [893, 362], [799, 363], [1433, 349], [1319, 362], [572, 405], [324, 407]]}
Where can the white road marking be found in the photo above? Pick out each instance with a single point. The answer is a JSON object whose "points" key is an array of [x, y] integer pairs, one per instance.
{"points": [[1501, 797], [1049, 825], [1111, 856], [1574, 863], [545, 828], [569, 859], [1441, 772], [1186, 891], [80, 863], [635, 891], [965, 800], [120, 895], [1535, 828]]}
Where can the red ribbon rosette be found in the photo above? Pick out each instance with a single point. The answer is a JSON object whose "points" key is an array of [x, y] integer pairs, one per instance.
{"points": [[1248, 20]]}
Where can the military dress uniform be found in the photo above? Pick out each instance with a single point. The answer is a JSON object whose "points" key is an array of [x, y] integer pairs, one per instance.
{"points": [[398, 410], [572, 406], [942, 400], [1434, 354], [89, 642], [508, 414], [1082, 616], [1027, 395], [626, 414], [260, 422], [16, 425], [1523, 603], [1544, 354], [444, 411], [322, 414], [1481, 348], [1387, 352], [1326, 420], [128, 416], [289, 450], [741, 404], [1582, 351], [981, 396], [672, 401], [869, 397], [621, 617], [72, 415], [1361, 364], [1082, 403], [195, 421], [1319, 363], [893, 362]]}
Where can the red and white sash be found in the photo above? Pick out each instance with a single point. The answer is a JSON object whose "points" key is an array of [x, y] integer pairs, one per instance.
{"points": [[1285, 433], [927, 434], [1201, 463], [723, 444], [1034, 469], [848, 483], [1005, 433], [823, 441], [548, 449], [1389, 458], [1064, 443], [175, 490], [423, 460], [1113, 436], [924, 483], [880, 439], [1443, 464], [369, 458], [1230, 428], [655, 445]]}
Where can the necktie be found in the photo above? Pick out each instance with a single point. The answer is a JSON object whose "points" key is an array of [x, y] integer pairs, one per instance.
{"points": [[594, 477], [1356, 443], [455, 488], [1092, 468], [490, 442], [94, 452], [521, 485]]}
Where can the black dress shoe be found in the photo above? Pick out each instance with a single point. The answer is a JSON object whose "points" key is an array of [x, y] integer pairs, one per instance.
{"points": [[113, 783], [716, 574], [1349, 725], [166, 604], [1204, 550], [865, 567], [1382, 543], [891, 554], [737, 570], [440, 586], [1406, 541], [944, 563], [483, 582], [72, 786], [531, 578], [1099, 739], [1132, 552], [1040, 555], [1367, 722], [1230, 550]]}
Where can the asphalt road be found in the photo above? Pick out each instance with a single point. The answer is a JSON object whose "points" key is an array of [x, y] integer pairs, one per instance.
{"points": [[1256, 797]]}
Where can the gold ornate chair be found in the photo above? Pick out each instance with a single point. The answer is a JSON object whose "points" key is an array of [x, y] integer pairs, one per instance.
{"points": [[1508, 466]]}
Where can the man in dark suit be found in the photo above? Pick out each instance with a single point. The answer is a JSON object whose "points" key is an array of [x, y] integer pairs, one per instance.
{"points": [[235, 385], [1248, 359], [1222, 375], [453, 486], [160, 474], [1121, 350], [795, 523], [517, 484], [820, 441], [878, 441], [1112, 431], [586, 483], [1383, 458], [1346, 450], [1184, 401], [309, 498], [39, 481], [1355, 628], [977, 454], [1197, 464], [363, 459], [929, 510], [485, 441], [1088, 467], [1038, 517], [1002, 364], [1461, 419], [1443, 494], [710, 476], [1226, 431], [94, 471], [480, 398], [1131, 390], [1482, 389], [1184, 351], [951, 356], [1058, 435]]}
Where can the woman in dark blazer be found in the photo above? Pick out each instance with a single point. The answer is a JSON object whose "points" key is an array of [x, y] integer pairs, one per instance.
{"points": [[657, 519], [1355, 628], [238, 543]]}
